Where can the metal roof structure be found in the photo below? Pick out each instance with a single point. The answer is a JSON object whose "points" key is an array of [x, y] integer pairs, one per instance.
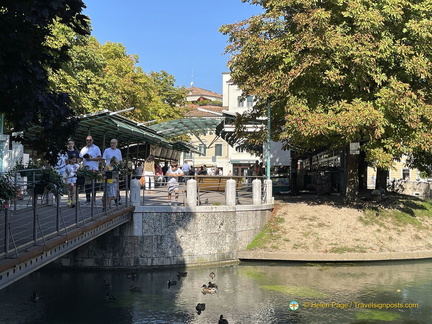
{"points": [[193, 125]]}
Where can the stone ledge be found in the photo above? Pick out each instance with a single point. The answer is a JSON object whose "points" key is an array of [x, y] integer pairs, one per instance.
{"points": [[343, 257]]}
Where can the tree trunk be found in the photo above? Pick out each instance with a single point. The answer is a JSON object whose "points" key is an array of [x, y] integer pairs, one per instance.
{"points": [[381, 179], [352, 176], [293, 182], [363, 179]]}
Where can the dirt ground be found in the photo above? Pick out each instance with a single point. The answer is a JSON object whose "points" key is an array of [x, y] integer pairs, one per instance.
{"points": [[324, 224]]}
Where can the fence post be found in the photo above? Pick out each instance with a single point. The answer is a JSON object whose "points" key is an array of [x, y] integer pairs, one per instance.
{"points": [[230, 192], [7, 232], [269, 191], [135, 189], [192, 193], [256, 192]]}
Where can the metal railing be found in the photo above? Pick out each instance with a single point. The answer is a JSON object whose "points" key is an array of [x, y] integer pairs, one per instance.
{"points": [[211, 190], [33, 218]]}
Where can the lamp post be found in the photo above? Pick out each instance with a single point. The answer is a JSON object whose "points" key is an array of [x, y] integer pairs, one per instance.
{"points": [[268, 139]]}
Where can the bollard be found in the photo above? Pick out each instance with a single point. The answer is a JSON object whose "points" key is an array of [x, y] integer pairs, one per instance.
{"points": [[135, 189], [256, 192], [191, 193], [230, 192], [269, 191]]}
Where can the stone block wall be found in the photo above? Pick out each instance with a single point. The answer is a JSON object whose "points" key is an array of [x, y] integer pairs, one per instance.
{"points": [[178, 236]]}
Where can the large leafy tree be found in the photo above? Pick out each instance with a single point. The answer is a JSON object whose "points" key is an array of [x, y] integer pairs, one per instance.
{"points": [[340, 71], [106, 77], [26, 98]]}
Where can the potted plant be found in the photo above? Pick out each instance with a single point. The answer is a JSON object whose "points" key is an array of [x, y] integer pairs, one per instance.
{"points": [[8, 190], [24, 170], [50, 181], [88, 175]]}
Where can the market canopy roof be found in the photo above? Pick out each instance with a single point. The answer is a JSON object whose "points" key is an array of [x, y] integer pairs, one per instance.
{"points": [[192, 125], [105, 125]]}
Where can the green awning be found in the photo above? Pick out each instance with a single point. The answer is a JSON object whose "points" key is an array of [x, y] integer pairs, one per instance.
{"points": [[194, 125]]}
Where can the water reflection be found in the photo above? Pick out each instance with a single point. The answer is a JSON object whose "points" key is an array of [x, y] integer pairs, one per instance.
{"points": [[247, 293]]}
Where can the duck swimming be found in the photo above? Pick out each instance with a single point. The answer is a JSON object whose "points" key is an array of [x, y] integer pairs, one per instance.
{"points": [[212, 275], [135, 289], [200, 307], [222, 320], [212, 285], [110, 297], [208, 290]]}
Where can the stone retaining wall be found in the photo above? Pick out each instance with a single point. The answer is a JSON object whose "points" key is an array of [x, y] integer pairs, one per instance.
{"points": [[174, 236]]}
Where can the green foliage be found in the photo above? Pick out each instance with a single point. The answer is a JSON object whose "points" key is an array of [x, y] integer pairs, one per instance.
{"points": [[52, 181], [25, 97], [8, 190], [106, 77], [88, 174], [337, 72]]}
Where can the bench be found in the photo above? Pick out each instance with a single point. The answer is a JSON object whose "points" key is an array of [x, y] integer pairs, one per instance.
{"points": [[215, 183]]}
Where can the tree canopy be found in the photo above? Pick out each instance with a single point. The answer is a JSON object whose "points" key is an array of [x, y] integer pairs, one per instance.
{"points": [[106, 77], [339, 71], [25, 96]]}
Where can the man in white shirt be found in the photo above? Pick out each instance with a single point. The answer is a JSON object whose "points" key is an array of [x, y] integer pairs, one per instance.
{"points": [[91, 156], [112, 151]]}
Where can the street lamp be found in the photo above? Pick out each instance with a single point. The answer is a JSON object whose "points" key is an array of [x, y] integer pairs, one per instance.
{"points": [[268, 139]]}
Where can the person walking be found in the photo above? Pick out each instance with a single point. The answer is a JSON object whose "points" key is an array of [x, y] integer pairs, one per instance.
{"points": [[149, 174], [91, 156]]}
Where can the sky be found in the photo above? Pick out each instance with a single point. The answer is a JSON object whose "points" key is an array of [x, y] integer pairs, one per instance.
{"points": [[179, 37]]}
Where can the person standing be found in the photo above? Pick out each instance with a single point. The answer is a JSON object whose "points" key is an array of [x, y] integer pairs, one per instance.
{"points": [[149, 173], [111, 152], [111, 189], [173, 174], [71, 177], [91, 156], [71, 150], [186, 171]]}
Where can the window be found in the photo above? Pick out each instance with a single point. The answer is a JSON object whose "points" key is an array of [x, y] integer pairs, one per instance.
{"points": [[218, 149], [187, 156], [202, 149], [406, 174], [240, 102], [250, 101]]}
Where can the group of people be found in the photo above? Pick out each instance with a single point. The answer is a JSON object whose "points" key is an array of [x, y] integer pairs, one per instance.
{"points": [[89, 157], [152, 170]]}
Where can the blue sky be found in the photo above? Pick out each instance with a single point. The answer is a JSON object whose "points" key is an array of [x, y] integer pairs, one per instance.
{"points": [[180, 37]]}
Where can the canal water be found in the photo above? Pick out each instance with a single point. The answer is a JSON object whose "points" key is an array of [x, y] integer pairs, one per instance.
{"points": [[249, 293]]}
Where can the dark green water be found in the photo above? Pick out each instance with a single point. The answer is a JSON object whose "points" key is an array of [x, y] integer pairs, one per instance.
{"points": [[249, 293]]}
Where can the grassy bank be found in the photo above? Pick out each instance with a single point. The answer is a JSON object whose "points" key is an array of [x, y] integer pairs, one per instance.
{"points": [[399, 223]]}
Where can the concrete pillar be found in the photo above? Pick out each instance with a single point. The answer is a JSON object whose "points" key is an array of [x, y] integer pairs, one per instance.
{"points": [[269, 191], [256, 192], [135, 192], [192, 194], [230, 192]]}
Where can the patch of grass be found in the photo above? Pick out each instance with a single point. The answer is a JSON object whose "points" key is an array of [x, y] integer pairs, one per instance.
{"points": [[345, 249], [377, 315], [321, 225], [217, 203], [297, 291], [398, 211], [271, 232]]}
